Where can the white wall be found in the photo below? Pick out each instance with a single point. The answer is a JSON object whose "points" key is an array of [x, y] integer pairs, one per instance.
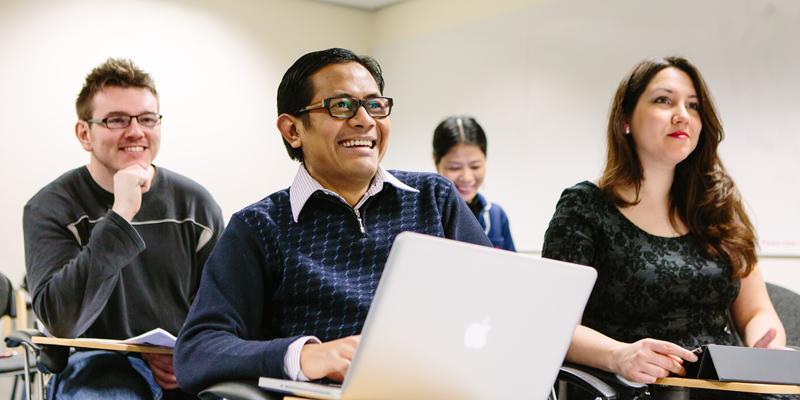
{"points": [[539, 76], [217, 66], [783, 271]]}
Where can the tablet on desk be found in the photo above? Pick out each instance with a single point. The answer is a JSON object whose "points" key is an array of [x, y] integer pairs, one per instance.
{"points": [[745, 364]]}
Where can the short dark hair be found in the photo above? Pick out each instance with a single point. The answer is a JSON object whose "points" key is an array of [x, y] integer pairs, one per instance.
{"points": [[296, 91], [457, 130], [114, 72]]}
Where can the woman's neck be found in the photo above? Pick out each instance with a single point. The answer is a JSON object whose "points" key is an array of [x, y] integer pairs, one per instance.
{"points": [[656, 185], [653, 212]]}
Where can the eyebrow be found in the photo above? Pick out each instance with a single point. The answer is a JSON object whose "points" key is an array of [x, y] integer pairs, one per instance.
{"points": [[670, 91], [346, 94], [118, 113]]}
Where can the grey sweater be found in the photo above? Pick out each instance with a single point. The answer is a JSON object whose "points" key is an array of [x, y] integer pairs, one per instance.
{"points": [[93, 274]]}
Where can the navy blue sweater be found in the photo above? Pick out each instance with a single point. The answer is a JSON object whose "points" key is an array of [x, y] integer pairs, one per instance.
{"points": [[271, 280]]}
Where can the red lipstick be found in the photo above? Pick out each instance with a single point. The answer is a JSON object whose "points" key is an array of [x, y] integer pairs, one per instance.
{"points": [[679, 135]]}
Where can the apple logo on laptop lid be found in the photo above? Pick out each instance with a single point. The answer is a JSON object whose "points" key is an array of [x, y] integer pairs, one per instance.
{"points": [[476, 334]]}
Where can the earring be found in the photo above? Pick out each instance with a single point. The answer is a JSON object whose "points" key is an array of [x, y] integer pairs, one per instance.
{"points": [[627, 130]]}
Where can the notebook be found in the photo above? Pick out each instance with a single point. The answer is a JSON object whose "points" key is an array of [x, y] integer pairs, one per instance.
{"points": [[456, 320]]}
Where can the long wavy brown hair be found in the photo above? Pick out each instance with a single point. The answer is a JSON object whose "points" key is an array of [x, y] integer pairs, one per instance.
{"points": [[703, 196]]}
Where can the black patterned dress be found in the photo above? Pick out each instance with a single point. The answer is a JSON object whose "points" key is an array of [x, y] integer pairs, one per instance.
{"points": [[647, 286]]}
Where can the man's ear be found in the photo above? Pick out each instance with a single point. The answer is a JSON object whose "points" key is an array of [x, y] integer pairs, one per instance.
{"points": [[290, 127], [82, 133]]}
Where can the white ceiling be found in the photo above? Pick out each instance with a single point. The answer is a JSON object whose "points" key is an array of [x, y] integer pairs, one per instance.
{"points": [[369, 5]]}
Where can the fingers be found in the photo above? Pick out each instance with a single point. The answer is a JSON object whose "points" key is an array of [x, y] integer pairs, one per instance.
{"points": [[646, 372], [655, 371], [672, 349], [641, 378], [339, 370], [147, 179], [650, 359], [765, 340], [330, 359], [665, 365], [166, 381], [653, 360], [350, 344], [161, 367], [347, 349], [676, 358], [129, 184], [162, 361]]}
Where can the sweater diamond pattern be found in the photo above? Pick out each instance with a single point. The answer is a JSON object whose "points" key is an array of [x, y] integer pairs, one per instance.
{"points": [[326, 270]]}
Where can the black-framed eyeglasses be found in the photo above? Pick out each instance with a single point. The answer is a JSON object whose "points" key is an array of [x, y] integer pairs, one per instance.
{"points": [[345, 107], [148, 120]]}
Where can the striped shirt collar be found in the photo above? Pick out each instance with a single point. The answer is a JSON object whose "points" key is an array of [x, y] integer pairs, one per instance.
{"points": [[305, 185]]}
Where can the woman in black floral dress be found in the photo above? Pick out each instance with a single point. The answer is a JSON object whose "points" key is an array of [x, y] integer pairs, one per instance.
{"points": [[667, 232]]}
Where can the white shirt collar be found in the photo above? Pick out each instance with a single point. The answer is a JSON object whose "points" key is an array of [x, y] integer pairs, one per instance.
{"points": [[305, 185]]}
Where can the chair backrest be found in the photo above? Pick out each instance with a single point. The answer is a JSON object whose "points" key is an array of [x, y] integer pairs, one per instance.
{"points": [[787, 304], [6, 305], [6, 296], [13, 307]]}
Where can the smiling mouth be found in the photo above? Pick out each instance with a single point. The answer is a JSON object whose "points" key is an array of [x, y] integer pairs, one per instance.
{"points": [[133, 149], [349, 144], [463, 189]]}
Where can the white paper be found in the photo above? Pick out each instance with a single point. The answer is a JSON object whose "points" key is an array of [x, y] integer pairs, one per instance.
{"points": [[155, 337]]}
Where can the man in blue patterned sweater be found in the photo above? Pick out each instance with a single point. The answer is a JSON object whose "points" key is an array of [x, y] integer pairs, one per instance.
{"points": [[286, 290]]}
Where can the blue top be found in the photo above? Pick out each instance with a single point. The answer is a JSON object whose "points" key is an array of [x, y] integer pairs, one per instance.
{"points": [[494, 222], [271, 280]]}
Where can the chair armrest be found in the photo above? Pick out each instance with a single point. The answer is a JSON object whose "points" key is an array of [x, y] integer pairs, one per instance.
{"points": [[238, 390], [22, 337], [588, 382], [50, 359], [602, 384]]}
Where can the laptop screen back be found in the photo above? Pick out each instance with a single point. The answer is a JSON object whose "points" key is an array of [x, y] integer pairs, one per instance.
{"points": [[455, 320]]}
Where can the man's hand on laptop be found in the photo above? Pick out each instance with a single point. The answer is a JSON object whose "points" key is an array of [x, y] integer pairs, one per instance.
{"points": [[330, 359], [161, 366]]}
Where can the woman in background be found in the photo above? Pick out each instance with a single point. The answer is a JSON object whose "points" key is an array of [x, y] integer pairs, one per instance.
{"points": [[459, 152], [666, 229]]}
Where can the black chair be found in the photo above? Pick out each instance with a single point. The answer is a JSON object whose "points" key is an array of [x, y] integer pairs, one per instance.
{"points": [[787, 304], [598, 384], [13, 310], [44, 359]]}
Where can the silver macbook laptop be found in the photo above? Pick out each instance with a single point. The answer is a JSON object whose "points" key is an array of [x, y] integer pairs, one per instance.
{"points": [[452, 320]]}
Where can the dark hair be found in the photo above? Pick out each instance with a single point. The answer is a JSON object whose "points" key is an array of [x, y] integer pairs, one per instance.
{"points": [[115, 72], [702, 195], [295, 90], [457, 130]]}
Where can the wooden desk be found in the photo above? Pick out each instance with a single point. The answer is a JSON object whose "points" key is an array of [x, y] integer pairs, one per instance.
{"points": [[101, 344], [683, 385], [679, 388]]}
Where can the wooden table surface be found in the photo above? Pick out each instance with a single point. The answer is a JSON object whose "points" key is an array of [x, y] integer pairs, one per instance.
{"points": [[730, 386], [101, 344]]}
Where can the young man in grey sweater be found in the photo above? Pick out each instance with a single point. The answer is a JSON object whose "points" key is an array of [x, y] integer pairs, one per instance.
{"points": [[116, 248]]}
